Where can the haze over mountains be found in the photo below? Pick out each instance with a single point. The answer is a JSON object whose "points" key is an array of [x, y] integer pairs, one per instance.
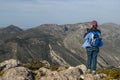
{"points": [[58, 44]]}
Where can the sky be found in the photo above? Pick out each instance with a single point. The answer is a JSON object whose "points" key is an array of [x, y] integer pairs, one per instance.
{"points": [[31, 13]]}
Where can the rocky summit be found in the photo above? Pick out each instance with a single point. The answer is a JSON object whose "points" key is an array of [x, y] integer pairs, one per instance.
{"points": [[18, 72], [59, 44]]}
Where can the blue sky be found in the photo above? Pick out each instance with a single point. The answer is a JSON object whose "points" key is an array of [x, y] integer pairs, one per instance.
{"points": [[31, 13]]}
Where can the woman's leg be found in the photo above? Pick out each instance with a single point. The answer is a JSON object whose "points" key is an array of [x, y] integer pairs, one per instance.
{"points": [[89, 58], [94, 58]]}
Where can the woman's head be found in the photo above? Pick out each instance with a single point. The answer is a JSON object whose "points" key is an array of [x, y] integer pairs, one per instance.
{"points": [[94, 24]]}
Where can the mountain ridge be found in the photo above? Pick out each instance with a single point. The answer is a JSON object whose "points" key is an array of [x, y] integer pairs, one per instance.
{"points": [[59, 45]]}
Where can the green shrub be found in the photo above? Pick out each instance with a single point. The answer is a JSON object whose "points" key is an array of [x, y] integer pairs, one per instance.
{"points": [[1, 73], [34, 64], [56, 68], [111, 74]]}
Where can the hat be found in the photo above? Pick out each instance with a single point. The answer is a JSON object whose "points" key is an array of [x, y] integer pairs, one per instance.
{"points": [[94, 23]]}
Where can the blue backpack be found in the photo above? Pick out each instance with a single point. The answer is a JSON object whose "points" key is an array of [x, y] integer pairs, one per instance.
{"points": [[96, 41]]}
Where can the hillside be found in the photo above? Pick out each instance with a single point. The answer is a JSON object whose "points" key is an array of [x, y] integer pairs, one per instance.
{"points": [[60, 44]]}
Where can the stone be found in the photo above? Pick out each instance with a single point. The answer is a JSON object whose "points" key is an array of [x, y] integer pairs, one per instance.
{"points": [[9, 64], [17, 73], [72, 73]]}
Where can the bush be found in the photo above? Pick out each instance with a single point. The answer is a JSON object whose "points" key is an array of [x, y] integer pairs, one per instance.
{"points": [[111, 74], [34, 64], [1, 73], [58, 68]]}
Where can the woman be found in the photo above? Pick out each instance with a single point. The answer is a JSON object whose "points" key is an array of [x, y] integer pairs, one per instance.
{"points": [[92, 51]]}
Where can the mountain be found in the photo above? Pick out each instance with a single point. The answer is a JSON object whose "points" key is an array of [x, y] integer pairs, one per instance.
{"points": [[60, 44], [10, 29]]}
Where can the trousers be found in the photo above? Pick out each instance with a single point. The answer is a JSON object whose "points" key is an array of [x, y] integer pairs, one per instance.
{"points": [[92, 53]]}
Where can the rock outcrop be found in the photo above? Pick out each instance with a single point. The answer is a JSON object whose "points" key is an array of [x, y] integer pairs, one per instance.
{"points": [[9, 64], [17, 72], [72, 73]]}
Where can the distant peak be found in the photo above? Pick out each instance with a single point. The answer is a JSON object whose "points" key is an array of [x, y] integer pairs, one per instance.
{"points": [[11, 29], [12, 26], [109, 23]]}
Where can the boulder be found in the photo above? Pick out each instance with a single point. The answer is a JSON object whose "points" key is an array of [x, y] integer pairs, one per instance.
{"points": [[46, 63], [9, 64], [72, 73], [17, 73], [42, 72]]}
